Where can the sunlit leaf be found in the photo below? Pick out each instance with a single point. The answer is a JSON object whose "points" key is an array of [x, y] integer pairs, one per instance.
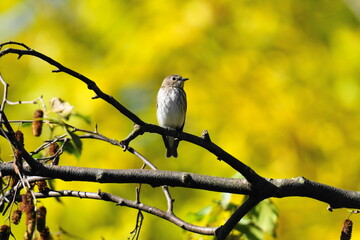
{"points": [[85, 118], [199, 216], [250, 231], [75, 145], [225, 200], [26, 124], [267, 217], [264, 216]]}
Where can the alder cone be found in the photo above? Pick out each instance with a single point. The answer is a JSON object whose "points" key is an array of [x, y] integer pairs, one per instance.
{"points": [[346, 230], [37, 122]]}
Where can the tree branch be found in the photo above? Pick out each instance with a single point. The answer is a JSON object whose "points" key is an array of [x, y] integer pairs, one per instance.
{"points": [[278, 188], [154, 178], [257, 187], [142, 127], [60, 68], [128, 203]]}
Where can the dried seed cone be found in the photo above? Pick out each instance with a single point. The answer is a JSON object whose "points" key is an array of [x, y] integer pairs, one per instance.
{"points": [[27, 206], [41, 224], [45, 234], [5, 232], [41, 218], [43, 187], [346, 230], [53, 148], [19, 137], [16, 217], [37, 122]]}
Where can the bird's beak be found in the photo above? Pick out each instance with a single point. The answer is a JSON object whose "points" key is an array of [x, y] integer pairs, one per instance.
{"points": [[184, 79]]}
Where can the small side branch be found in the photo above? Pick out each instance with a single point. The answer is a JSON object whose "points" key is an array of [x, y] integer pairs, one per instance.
{"points": [[128, 203], [60, 68]]}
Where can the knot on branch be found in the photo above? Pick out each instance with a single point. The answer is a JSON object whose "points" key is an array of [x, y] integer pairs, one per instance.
{"points": [[100, 176], [205, 135], [136, 132], [186, 179]]}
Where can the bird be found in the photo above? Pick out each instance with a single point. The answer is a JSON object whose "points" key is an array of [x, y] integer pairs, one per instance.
{"points": [[171, 110]]}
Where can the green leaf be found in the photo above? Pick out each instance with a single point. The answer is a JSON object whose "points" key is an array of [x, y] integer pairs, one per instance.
{"points": [[37, 155], [237, 175], [75, 145], [198, 216], [51, 183], [265, 216], [268, 216], [251, 231], [225, 200], [83, 117], [26, 124], [69, 148]]}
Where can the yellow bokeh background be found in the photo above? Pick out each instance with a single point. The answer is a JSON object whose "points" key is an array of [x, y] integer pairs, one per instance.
{"points": [[276, 84]]}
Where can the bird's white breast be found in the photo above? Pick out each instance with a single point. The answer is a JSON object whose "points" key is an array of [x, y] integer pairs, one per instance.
{"points": [[171, 107]]}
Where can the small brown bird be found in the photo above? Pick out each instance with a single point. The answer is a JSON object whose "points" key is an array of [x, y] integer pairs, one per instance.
{"points": [[171, 109]]}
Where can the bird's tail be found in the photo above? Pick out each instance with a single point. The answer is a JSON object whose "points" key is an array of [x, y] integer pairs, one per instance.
{"points": [[171, 145]]}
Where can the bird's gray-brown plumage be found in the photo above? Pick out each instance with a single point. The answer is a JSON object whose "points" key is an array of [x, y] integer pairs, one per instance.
{"points": [[171, 110]]}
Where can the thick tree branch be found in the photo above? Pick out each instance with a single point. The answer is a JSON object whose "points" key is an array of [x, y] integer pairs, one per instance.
{"points": [[278, 188], [155, 178]]}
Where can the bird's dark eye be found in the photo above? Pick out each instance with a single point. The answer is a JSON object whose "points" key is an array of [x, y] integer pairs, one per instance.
{"points": [[173, 78]]}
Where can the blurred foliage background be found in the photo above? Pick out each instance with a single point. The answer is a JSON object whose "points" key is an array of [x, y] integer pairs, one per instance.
{"points": [[274, 82]]}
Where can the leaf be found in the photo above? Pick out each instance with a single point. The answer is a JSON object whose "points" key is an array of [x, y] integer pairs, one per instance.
{"points": [[51, 183], [198, 216], [225, 200], [265, 216], [251, 231], [75, 145], [237, 175], [37, 155], [83, 117], [26, 124]]}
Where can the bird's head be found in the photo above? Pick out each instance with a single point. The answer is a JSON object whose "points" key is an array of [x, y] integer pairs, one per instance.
{"points": [[174, 81]]}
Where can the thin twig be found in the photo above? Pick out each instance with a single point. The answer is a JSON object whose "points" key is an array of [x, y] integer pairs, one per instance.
{"points": [[128, 203]]}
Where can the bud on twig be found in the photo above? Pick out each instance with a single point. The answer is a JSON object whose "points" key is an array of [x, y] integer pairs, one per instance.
{"points": [[37, 122]]}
